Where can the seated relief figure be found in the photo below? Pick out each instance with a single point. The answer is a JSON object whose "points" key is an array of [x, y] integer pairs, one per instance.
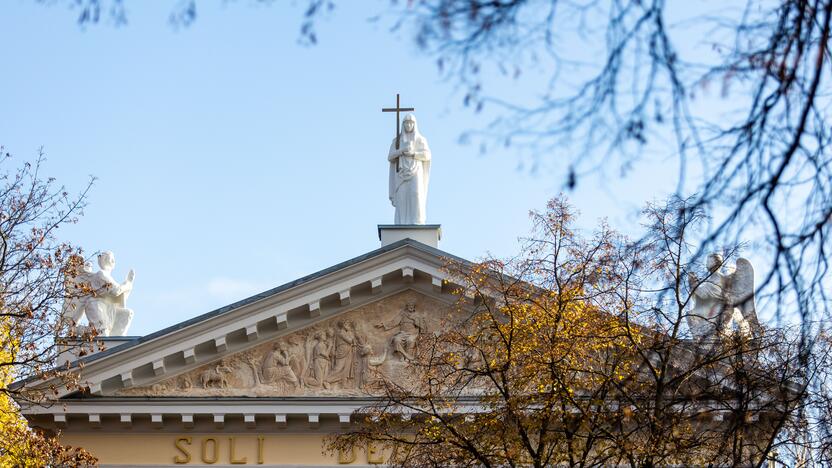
{"points": [[277, 369], [723, 303], [410, 326], [100, 297]]}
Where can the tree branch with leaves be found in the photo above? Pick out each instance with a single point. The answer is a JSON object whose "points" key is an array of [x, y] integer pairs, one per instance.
{"points": [[34, 266]]}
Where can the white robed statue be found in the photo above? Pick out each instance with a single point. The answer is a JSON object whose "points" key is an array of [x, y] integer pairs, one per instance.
{"points": [[723, 303], [409, 174]]}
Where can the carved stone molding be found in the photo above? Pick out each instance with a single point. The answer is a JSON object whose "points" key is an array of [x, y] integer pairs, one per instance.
{"points": [[337, 357]]}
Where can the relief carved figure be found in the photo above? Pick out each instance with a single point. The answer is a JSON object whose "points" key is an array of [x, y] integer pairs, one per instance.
{"points": [[297, 358], [215, 377], [186, 383], [255, 367], [410, 325], [277, 369], [340, 356], [319, 358], [351, 357]]}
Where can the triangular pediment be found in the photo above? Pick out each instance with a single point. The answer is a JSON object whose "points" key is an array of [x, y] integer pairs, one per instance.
{"points": [[375, 286], [283, 355], [231, 351], [338, 356]]}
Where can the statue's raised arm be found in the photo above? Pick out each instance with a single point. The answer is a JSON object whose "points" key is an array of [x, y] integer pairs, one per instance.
{"points": [[107, 307]]}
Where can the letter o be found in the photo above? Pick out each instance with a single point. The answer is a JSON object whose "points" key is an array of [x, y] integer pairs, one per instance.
{"points": [[215, 448]]}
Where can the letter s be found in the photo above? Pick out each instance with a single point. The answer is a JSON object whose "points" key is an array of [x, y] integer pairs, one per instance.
{"points": [[178, 459]]}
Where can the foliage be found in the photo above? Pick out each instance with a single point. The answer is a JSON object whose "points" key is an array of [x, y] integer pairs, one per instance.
{"points": [[32, 333], [19, 445], [617, 80], [734, 93], [183, 13], [570, 354]]}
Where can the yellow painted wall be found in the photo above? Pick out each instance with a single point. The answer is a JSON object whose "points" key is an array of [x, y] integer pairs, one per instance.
{"points": [[161, 449]]}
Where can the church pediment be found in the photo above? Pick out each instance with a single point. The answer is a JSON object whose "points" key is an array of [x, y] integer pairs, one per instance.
{"points": [[340, 356], [238, 338]]}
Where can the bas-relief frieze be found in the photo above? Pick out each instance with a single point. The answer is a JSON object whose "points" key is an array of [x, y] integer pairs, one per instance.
{"points": [[340, 356]]}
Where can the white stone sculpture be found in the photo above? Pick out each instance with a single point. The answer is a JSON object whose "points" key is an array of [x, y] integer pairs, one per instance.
{"points": [[277, 369], [319, 356], [100, 297], [351, 357], [77, 296], [343, 356], [410, 326], [409, 174], [723, 303], [107, 308], [215, 377]]}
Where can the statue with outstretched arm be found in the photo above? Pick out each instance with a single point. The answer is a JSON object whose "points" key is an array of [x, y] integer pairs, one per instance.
{"points": [[107, 308]]}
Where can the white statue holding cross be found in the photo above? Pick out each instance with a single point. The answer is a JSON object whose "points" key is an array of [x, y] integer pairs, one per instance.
{"points": [[409, 159]]}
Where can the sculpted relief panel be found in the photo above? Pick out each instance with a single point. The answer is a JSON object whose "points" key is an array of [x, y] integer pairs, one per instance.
{"points": [[339, 356]]}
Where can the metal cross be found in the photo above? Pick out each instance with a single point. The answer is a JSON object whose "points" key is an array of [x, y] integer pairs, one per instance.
{"points": [[397, 109]]}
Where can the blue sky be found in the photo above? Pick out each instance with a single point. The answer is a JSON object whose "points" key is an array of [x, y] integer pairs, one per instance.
{"points": [[229, 159]]}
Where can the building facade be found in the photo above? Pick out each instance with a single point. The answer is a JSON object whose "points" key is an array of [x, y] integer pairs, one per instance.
{"points": [[262, 381]]}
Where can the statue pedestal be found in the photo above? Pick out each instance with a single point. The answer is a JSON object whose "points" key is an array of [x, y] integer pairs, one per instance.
{"points": [[428, 234]]}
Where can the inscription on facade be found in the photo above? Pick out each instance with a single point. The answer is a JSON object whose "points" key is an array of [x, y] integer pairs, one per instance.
{"points": [[217, 449]]}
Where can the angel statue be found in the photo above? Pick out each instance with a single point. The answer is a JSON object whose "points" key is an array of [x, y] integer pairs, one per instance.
{"points": [[723, 302]]}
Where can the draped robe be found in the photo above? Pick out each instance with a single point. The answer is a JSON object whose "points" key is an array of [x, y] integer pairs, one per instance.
{"points": [[409, 176]]}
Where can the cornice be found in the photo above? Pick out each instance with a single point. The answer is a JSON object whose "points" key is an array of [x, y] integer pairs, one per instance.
{"points": [[247, 323]]}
